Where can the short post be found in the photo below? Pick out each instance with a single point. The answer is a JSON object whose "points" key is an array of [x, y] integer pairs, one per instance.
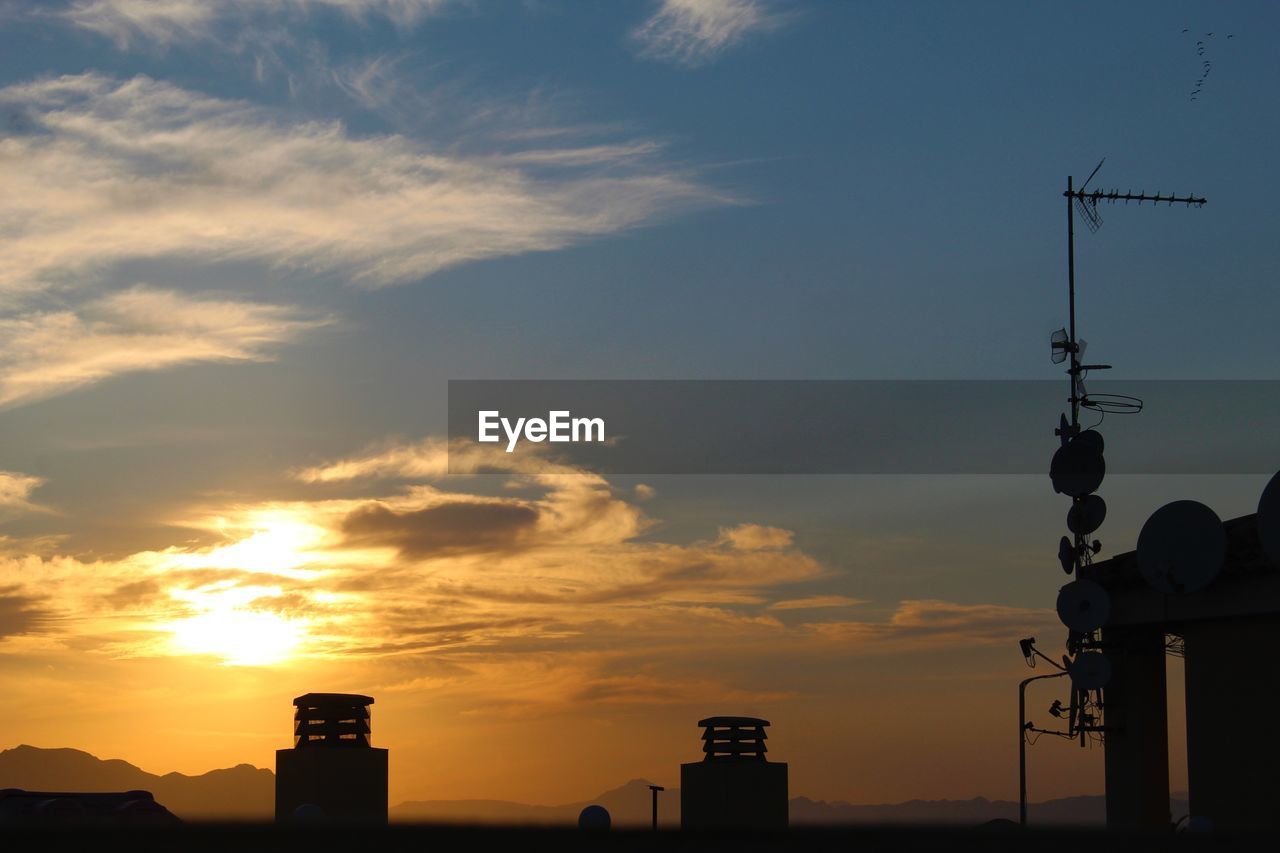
{"points": [[655, 789]]}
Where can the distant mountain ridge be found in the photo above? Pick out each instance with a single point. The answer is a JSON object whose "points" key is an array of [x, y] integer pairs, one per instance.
{"points": [[245, 792], [242, 792]]}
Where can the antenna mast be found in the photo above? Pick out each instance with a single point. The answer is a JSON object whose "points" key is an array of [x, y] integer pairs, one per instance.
{"points": [[1087, 202], [1077, 471]]}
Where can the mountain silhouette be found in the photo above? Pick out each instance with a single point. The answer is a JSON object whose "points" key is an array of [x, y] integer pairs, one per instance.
{"points": [[245, 792]]}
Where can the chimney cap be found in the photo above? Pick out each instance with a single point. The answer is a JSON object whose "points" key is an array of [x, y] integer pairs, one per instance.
{"points": [[310, 700], [733, 721]]}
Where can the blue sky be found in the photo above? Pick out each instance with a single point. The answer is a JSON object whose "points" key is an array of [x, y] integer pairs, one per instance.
{"points": [[253, 238]]}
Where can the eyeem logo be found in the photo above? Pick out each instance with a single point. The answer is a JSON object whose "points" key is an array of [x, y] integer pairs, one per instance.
{"points": [[559, 426]]}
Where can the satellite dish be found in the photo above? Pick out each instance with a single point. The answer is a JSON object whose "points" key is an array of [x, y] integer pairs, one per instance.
{"points": [[1077, 468], [1090, 671], [594, 819], [1181, 547], [308, 813], [1269, 520], [1083, 605], [1086, 515], [1066, 555]]}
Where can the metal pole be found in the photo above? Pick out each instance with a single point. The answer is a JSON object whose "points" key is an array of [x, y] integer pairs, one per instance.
{"points": [[1022, 742], [1071, 270], [1071, 307], [1078, 538]]}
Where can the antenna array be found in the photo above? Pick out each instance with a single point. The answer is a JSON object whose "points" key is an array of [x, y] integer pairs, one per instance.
{"points": [[1077, 470]]}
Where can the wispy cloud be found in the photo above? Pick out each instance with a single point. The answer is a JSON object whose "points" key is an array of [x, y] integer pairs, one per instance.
{"points": [[127, 22], [695, 32], [539, 601], [374, 83], [920, 624], [422, 569], [815, 602], [112, 171], [52, 352], [434, 458], [755, 537], [124, 21], [16, 489]]}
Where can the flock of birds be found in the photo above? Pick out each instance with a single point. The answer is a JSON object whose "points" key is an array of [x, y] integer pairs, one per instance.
{"points": [[1206, 65]]}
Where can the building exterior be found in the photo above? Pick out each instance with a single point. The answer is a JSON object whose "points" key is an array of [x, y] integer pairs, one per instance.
{"points": [[1225, 632], [733, 786], [332, 773]]}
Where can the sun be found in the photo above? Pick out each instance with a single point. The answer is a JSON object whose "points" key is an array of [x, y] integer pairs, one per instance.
{"points": [[278, 541], [239, 637]]}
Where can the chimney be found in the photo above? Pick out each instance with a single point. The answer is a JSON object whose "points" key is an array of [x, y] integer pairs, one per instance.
{"points": [[734, 786], [332, 773], [331, 720]]}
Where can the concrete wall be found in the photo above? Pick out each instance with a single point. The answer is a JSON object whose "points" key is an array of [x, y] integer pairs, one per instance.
{"points": [[1233, 754], [1137, 728]]}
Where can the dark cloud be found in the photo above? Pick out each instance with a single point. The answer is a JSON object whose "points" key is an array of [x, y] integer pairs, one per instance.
{"points": [[442, 530], [130, 594], [20, 614]]}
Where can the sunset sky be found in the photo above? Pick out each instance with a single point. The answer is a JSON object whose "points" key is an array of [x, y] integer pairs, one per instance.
{"points": [[245, 244]]}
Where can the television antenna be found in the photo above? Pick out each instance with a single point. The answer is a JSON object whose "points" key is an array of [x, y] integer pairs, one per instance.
{"points": [[1077, 470], [1085, 462]]}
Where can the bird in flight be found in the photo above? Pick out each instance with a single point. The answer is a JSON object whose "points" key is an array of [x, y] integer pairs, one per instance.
{"points": [[1206, 64]]}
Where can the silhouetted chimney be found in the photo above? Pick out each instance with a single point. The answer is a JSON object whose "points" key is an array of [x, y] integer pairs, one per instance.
{"points": [[332, 773], [733, 786], [331, 720]]}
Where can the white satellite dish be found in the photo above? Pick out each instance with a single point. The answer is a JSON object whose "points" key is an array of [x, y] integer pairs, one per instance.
{"points": [[1083, 605], [1090, 671], [1181, 547], [1269, 520], [1086, 515]]}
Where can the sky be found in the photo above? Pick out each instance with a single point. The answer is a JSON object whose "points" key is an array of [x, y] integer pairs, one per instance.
{"points": [[246, 244]]}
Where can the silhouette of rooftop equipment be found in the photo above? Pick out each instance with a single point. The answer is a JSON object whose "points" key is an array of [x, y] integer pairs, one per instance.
{"points": [[61, 808], [734, 786], [331, 720], [1077, 470], [1213, 585], [332, 767], [594, 818], [653, 793]]}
